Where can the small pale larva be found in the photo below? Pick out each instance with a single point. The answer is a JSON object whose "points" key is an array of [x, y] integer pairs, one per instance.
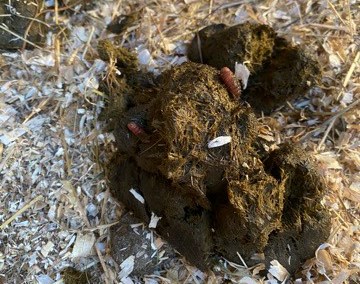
{"points": [[231, 82]]}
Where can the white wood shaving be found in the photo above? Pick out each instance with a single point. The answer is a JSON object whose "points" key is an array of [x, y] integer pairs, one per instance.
{"points": [[137, 195], [219, 141], [44, 279], [347, 98], [46, 249], [242, 73], [144, 57], [127, 280], [247, 280], [329, 160], [127, 267], [154, 220], [83, 245], [278, 271]]}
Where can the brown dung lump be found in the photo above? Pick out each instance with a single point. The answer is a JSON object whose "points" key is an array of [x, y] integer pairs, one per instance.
{"points": [[279, 71], [224, 200]]}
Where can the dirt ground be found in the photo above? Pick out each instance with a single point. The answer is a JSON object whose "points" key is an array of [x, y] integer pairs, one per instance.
{"points": [[57, 210]]}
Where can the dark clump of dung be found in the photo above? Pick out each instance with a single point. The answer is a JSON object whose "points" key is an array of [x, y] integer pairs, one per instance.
{"points": [[304, 220], [20, 18], [125, 90], [221, 46], [122, 22], [226, 200], [279, 72], [72, 276]]}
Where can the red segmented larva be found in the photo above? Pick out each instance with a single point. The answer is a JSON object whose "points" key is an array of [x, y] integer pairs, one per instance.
{"points": [[135, 129], [231, 83]]}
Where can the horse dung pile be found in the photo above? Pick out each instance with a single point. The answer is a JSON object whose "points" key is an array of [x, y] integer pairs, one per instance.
{"points": [[190, 152]]}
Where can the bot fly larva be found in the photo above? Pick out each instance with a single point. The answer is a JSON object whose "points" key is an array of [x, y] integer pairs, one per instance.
{"points": [[231, 82], [137, 129]]}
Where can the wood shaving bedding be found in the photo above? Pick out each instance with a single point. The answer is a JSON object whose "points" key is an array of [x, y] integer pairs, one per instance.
{"points": [[53, 145]]}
